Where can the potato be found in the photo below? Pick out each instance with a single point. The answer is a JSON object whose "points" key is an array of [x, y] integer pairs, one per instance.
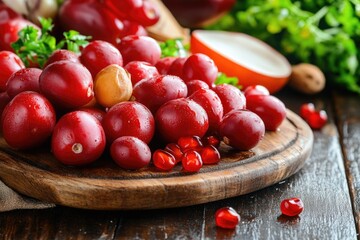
{"points": [[307, 78]]}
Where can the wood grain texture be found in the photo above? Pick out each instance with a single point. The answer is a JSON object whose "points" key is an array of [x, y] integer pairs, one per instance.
{"points": [[348, 122], [104, 186]]}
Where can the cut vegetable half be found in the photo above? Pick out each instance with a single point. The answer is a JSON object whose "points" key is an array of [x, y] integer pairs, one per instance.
{"points": [[239, 55]]}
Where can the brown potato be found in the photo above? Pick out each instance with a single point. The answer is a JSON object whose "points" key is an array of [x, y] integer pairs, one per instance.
{"points": [[307, 78]]}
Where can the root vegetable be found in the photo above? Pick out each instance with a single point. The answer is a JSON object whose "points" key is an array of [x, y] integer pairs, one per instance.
{"points": [[307, 78]]}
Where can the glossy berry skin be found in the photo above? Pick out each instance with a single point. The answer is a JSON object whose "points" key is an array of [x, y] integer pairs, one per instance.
{"points": [[130, 153], [269, 108], [210, 155], [256, 90], [9, 63], [67, 84], [129, 119], [156, 91], [200, 66], [291, 207], [25, 79], [98, 55], [195, 85], [306, 110], [62, 54], [140, 70], [211, 102], [191, 161], [95, 112], [231, 97], [73, 144], [317, 119], [163, 160], [176, 68], [227, 218], [242, 129], [163, 65], [28, 120], [181, 117], [139, 48]]}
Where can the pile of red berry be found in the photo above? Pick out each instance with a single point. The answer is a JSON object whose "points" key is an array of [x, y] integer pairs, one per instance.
{"points": [[315, 118], [125, 97]]}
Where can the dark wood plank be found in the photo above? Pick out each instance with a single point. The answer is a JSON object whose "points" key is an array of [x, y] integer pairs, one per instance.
{"points": [[347, 109], [58, 223]]}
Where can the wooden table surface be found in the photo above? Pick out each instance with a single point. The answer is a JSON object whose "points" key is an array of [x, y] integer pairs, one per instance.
{"points": [[328, 184]]}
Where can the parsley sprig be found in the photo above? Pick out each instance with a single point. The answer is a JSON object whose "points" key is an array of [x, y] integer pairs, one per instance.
{"points": [[34, 47], [173, 48]]}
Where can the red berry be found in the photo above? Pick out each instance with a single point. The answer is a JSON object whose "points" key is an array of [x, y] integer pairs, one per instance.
{"points": [[269, 108], [139, 48], [147, 15], [185, 143], [130, 153], [28, 120], [191, 161], [163, 65], [200, 66], [73, 144], [195, 85], [231, 97], [211, 103], [227, 217], [62, 54], [291, 206], [98, 55], [175, 150], [242, 129], [256, 90], [181, 117], [163, 160], [306, 110], [26, 79], [9, 63], [176, 68], [210, 155], [140, 70], [156, 91], [67, 84], [317, 119], [129, 119]]}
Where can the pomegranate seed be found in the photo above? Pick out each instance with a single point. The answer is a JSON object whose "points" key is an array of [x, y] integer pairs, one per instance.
{"points": [[317, 120], [291, 207], [306, 110], [211, 140], [163, 160], [210, 155], [227, 217], [175, 150], [186, 143], [191, 161]]}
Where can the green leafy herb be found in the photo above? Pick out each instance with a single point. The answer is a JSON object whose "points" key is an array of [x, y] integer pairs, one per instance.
{"points": [[325, 33], [173, 48], [222, 78], [34, 47]]}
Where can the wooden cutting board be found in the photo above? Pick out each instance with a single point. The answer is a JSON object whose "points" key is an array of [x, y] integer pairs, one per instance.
{"points": [[103, 185]]}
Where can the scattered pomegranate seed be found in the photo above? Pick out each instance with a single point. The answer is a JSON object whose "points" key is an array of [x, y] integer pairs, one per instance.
{"points": [[211, 140], [291, 207], [306, 110], [317, 120], [210, 155], [191, 161], [186, 143], [227, 217], [175, 150], [163, 160]]}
